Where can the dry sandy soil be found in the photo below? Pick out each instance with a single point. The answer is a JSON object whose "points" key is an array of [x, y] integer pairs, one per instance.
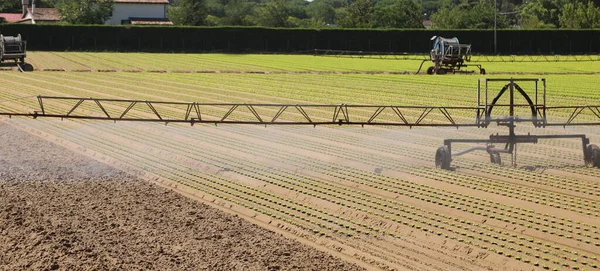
{"points": [[60, 210]]}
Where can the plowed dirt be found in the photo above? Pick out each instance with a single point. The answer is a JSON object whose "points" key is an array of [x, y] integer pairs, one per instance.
{"points": [[62, 211]]}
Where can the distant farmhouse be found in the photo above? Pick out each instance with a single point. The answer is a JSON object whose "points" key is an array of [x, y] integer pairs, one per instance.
{"points": [[32, 15], [137, 12], [140, 12]]}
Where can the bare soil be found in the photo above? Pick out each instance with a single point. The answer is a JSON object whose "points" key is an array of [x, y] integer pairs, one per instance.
{"points": [[63, 211]]}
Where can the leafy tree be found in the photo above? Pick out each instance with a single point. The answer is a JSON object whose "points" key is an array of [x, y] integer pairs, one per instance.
{"points": [[479, 15], [541, 13], [297, 8], [215, 8], [360, 15], [10, 6], [580, 15], [321, 10], [398, 14], [85, 11], [188, 12], [238, 12], [274, 14]]}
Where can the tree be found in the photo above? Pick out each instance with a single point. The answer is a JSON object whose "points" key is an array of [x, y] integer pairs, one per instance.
{"points": [[479, 15], [274, 14], [238, 12], [297, 8], [188, 12], [320, 10], [10, 6], [359, 15], [398, 14], [85, 11], [541, 13], [580, 15]]}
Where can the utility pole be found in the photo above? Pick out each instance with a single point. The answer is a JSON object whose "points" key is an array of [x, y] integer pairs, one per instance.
{"points": [[495, 26]]}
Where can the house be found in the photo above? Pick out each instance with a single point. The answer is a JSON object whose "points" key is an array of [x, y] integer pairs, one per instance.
{"points": [[32, 15], [35, 15], [11, 17], [140, 12]]}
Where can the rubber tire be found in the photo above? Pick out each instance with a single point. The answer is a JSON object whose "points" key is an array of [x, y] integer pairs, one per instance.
{"points": [[430, 70], [592, 156], [589, 155], [441, 71], [482, 71], [495, 158], [442, 158]]}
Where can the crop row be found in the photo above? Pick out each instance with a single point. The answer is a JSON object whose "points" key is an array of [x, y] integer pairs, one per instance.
{"points": [[224, 62], [343, 196]]}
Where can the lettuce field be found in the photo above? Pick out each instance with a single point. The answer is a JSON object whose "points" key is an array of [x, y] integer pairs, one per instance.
{"points": [[369, 195]]}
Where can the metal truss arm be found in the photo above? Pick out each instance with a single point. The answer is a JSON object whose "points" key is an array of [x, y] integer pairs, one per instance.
{"points": [[291, 114]]}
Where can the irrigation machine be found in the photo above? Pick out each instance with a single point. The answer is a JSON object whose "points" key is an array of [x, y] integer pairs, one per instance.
{"points": [[449, 56], [508, 112], [12, 48]]}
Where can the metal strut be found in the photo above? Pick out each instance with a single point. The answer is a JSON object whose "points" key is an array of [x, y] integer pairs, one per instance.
{"points": [[591, 153], [344, 114]]}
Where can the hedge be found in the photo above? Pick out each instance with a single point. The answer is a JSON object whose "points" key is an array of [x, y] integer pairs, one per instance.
{"points": [[278, 40]]}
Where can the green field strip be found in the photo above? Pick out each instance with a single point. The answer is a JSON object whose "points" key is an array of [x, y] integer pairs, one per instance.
{"points": [[304, 63], [89, 60], [305, 92], [67, 63], [175, 92], [117, 62], [47, 60]]}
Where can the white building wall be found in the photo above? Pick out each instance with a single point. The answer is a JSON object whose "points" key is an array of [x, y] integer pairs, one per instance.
{"points": [[123, 11]]}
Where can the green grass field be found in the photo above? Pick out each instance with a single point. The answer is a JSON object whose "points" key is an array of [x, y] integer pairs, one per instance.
{"points": [[73, 61]]}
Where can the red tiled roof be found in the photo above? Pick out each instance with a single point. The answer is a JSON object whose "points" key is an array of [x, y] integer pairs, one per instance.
{"points": [[142, 1], [11, 17], [150, 21], [45, 14]]}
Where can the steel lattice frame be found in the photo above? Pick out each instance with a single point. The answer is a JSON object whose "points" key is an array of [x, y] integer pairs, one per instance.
{"points": [[344, 114]]}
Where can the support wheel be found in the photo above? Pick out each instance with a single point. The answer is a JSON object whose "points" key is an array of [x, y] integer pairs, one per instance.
{"points": [[442, 158], [495, 158], [430, 70], [482, 71], [441, 71], [592, 156]]}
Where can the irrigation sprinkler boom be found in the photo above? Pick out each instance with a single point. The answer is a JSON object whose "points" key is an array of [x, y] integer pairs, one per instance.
{"points": [[344, 114]]}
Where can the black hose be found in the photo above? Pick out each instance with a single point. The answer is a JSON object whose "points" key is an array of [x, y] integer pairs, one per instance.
{"points": [[421, 65]]}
